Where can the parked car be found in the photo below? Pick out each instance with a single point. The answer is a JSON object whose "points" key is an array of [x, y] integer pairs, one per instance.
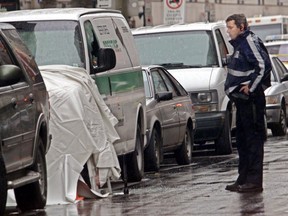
{"points": [[24, 124], [170, 118], [277, 98], [193, 53], [84, 38], [277, 45]]}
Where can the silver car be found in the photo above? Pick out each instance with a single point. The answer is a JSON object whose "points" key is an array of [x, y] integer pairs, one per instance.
{"points": [[277, 98], [170, 118]]}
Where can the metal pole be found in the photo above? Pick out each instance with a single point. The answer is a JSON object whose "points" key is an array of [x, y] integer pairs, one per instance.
{"points": [[94, 3], [144, 16]]}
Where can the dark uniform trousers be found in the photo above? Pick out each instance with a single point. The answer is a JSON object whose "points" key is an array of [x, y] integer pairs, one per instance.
{"points": [[250, 137]]}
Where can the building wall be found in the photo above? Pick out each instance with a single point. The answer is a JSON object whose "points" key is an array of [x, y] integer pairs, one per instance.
{"points": [[195, 12], [195, 9]]}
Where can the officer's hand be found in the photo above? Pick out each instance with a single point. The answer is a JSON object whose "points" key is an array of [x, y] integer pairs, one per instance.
{"points": [[245, 89]]}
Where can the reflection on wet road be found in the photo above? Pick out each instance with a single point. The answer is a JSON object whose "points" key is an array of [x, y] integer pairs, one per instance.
{"points": [[196, 189]]}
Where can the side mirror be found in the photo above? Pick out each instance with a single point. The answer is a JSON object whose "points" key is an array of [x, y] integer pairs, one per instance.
{"points": [[9, 75], [163, 96], [106, 60], [285, 78]]}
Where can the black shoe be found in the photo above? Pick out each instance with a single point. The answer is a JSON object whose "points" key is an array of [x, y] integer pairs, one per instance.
{"points": [[249, 187], [233, 187]]}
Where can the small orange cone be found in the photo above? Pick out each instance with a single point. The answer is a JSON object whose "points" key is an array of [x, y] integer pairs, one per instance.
{"points": [[79, 197]]}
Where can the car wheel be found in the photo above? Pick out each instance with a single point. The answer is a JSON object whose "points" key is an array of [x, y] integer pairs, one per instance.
{"points": [[135, 160], [223, 145], [3, 186], [183, 155], [280, 129], [34, 195], [152, 153]]}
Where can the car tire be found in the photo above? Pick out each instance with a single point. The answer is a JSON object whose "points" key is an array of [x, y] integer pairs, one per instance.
{"points": [[135, 160], [34, 195], [152, 153], [223, 145], [3, 186], [280, 129], [183, 155]]}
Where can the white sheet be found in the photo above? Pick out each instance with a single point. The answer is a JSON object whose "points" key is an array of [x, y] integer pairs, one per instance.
{"points": [[82, 127]]}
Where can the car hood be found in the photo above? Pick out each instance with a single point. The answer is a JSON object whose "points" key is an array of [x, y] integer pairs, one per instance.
{"points": [[193, 78]]}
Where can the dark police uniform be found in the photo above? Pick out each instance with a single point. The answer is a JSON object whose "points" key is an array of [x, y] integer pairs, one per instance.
{"points": [[248, 65]]}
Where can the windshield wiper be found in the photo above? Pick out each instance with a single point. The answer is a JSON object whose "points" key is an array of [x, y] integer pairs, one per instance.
{"points": [[179, 65]]}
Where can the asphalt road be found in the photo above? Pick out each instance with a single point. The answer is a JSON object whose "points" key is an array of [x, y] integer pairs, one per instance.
{"points": [[196, 189]]}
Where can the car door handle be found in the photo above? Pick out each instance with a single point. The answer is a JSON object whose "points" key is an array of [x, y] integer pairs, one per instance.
{"points": [[31, 98], [14, 102]]}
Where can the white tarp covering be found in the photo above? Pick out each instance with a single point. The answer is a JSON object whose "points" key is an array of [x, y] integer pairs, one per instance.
{"points": [[82, 128]]}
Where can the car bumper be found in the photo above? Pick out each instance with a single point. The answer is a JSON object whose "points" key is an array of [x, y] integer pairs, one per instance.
{"points": [[208, 125], [272, 114]]}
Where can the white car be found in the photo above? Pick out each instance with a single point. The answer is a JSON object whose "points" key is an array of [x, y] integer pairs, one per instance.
{"points": [[277, 98], [193, 53], [278, 48]]}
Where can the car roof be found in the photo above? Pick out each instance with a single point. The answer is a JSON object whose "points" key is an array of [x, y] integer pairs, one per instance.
{"points": [[51, 14], [148, 67], [178, 27], [272, 43]]}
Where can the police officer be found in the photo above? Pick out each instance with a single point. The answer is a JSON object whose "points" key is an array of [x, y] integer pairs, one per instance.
{"points": [[247, 67]]}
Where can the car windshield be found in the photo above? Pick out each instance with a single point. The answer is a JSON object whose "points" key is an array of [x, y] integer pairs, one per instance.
{"points": [[57, 42], [177, 49], [281, 50]]}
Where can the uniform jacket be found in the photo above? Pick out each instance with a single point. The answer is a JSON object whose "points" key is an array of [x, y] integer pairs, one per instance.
{"points": [[248, 63]]}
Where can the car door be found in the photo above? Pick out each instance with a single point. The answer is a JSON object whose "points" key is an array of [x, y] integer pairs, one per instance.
{"points": [[181, 99], [168, 109], [109, 84], [26, 97], [282, 72], [27, 100], [10, 120]]}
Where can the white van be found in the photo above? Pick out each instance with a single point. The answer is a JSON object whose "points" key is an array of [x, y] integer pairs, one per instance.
{"points": [[83, 38], [193, 54]]}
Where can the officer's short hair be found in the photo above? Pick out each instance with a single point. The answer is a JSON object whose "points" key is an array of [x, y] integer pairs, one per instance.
{"points": [[239, 19]]}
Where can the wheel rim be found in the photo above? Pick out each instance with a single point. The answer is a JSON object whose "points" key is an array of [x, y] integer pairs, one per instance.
{"points": [[41, 171]]}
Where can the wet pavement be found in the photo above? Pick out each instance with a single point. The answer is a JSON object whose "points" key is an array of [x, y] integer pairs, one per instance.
{"points": [[196, 189]]}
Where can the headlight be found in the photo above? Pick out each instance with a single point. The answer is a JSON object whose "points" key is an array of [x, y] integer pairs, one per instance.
{"points": [[204, 97], [205, 101], [274, 99]]}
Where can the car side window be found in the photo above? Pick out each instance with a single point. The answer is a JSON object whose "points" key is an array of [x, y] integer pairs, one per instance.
{"points": [[23, 54], [5, 57], [273, 75], [146, 85], [221, 43], [169, 84], [92, 43], [281, 68], [158, 82]]}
